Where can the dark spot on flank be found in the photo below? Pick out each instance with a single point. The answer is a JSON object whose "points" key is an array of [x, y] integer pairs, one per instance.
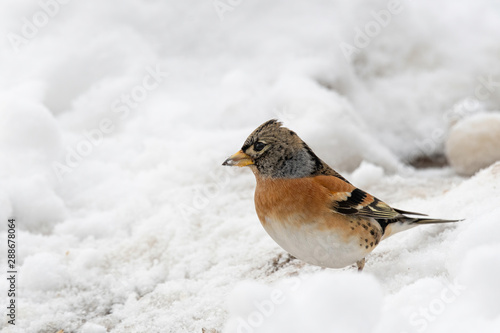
{"points": [[360, 244], [372, 232], [351, 221], [365, 227], [376, 242], [366, 246], [292, 133], [352, 228], [366, 240], [371, 244], [359, 223]]}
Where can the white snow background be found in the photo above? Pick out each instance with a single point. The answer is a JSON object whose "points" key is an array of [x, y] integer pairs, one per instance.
{"points": [[115, 117]]}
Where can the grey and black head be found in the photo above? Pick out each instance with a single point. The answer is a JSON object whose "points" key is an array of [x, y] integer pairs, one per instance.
{"points": [[277, 152]]}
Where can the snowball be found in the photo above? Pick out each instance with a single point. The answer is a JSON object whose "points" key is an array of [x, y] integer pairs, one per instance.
{"points": [[474, 143]]}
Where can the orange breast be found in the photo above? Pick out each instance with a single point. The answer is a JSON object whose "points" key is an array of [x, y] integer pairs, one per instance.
{"points": [[280, 198]]}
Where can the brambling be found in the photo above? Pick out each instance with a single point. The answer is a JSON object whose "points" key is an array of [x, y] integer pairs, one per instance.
{"points": [[308, 208]]}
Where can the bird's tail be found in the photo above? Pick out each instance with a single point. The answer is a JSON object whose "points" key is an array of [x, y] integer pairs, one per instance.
{"points": [[405, 222], [422, 220], [430, 221]]}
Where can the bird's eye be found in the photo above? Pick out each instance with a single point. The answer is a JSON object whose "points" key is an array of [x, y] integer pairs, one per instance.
{"points": [[258, 146]]}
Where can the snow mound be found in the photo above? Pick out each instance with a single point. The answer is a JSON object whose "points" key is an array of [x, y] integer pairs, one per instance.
{"points": [[324, 302]]}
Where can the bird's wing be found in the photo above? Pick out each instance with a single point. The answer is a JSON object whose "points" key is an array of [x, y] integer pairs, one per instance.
{"points": [[346, 199]]}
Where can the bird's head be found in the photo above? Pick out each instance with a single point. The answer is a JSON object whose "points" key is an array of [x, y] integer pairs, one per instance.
{"points": [[277, 152]]}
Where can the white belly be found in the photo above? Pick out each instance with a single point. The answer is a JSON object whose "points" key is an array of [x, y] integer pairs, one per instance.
{"points": [[326, 248]]}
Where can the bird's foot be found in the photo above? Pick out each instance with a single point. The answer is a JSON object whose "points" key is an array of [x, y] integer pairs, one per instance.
{"points": [[360, 264]]}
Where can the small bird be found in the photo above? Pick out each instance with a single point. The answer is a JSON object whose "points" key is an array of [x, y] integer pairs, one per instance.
{"points": [[308, 208]]}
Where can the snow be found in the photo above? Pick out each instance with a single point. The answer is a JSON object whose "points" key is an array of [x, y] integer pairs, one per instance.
{"points": [[293, 305], [115, 117], [366, 175], [474, 143]]}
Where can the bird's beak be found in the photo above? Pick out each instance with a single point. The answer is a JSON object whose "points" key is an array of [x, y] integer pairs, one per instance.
{"points": [[239, 159]]}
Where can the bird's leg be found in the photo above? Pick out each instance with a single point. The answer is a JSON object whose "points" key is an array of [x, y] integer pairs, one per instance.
{"points": [[360, 264]]}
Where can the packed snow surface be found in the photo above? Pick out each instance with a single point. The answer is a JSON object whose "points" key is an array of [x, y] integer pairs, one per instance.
{"points": [[115, 118]]}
